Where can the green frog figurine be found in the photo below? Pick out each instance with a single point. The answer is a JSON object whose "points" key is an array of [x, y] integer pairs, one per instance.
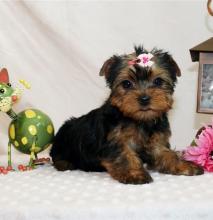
{"points": [[30, 131]]}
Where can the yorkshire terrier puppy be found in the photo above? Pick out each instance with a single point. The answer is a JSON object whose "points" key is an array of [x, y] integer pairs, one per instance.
{"points": [[131, 128]]}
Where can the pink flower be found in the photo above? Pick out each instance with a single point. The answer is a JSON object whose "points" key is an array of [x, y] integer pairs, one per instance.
{"points": [[143, 60], [202, 154]]}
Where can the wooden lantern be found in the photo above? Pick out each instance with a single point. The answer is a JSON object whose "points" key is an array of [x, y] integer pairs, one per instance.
{"points": [[204, 54]]}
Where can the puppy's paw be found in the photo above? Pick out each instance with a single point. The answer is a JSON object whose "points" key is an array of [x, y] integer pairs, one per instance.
{"points": [[135, 177], [189, 169]]}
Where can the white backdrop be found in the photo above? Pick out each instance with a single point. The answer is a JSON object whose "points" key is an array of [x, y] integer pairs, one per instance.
{"points": [[59, 47]]}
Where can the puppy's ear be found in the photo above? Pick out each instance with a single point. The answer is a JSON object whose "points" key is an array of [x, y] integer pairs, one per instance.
{"points": [[111, 68], [175, 67], [166, 60], [105, 69]]}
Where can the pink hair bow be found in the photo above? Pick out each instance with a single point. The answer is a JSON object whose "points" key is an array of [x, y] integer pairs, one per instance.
{"points": [[143, 60]]}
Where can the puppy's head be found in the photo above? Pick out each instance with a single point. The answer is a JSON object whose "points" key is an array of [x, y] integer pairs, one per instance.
{"points": [[141, 83]]}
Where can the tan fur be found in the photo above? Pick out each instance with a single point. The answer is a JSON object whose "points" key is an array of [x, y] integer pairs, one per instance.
{"points": [[127, 102], [166, 160], [131, 139]]}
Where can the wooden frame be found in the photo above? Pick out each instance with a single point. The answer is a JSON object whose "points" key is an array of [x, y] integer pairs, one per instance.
{"points": [[205, 84]]}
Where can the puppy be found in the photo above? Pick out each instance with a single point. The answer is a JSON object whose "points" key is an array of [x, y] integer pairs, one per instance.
{"points": [[131, 128]]}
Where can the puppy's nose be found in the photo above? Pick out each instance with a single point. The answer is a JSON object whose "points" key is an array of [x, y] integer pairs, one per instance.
{"points": [[144, 100]]}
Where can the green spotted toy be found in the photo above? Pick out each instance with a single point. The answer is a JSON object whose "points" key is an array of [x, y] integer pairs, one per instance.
{"points": [[30, 131]]}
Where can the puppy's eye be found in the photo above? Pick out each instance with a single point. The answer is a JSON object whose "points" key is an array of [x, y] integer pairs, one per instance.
{"points": [[2, 91], [9, 84], [158, 82], [127, 84]]}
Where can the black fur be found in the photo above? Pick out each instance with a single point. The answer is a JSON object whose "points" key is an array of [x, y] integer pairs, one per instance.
{"points": [[83, 141]]}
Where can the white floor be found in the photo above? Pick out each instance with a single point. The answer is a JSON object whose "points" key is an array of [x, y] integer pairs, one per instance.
{"points": [[45, 193]]}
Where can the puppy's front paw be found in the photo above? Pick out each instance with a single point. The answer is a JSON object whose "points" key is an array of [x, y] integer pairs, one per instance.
{"points": [[135, 177], [189, 169]]}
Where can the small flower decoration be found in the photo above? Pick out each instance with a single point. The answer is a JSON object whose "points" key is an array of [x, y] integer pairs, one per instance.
{"points": [[202, 153], [143, 60]]}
